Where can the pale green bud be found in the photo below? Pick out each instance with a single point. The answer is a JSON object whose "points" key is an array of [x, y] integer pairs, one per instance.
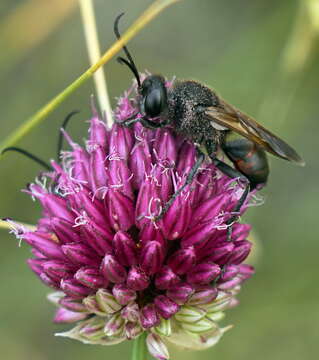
{"points": [[164, 328], [114, 326], [107, 302], [200, 326], [189, 314]]}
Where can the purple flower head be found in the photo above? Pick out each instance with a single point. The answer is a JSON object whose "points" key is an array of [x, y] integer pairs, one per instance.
{"points": [[117, 269]]}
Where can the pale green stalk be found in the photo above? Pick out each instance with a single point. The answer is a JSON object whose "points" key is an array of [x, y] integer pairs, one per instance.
{"points": [[139, 347], [93, 47], [149, 14], [7, 226]]}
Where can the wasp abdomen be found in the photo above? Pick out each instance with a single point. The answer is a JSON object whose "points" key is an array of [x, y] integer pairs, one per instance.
{"points": [[248, 157]]}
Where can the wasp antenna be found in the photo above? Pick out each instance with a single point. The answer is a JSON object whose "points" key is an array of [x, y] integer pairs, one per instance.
{"points": [[129, 62], [131, 67], [64, 125], [28, 155]]}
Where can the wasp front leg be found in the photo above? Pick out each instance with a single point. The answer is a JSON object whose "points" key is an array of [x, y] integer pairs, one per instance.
{"points": [[149, 124]]}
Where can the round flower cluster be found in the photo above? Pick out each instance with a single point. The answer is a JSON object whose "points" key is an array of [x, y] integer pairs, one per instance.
{"points": [[117, 269]]}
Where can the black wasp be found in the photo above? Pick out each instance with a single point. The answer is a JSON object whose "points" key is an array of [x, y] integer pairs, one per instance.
{"points": [[204, 118]]}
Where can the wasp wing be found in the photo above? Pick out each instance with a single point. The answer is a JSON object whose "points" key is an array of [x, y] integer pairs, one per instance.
{"points": [[228, 116]]}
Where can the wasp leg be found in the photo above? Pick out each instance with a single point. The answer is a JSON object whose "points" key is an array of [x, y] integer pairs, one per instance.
{"points": [[129, 121], [151, 124], [233, 173], [189, 179], [144, 121]]}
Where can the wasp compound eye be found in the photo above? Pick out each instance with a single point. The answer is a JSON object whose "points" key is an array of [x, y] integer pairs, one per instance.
{"points": [[154, 95], [153, 103]]}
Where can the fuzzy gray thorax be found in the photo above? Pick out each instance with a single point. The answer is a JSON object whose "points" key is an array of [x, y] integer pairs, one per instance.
{"points": [[185, 99]]}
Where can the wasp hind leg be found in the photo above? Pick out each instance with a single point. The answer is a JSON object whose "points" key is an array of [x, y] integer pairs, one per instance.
{"points": [[233, 173]]}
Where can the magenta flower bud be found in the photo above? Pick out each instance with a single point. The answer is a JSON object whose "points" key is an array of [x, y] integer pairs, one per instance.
{"points": [[90, 277], [125, 248], [98, 134], [81, 169], [36, 265], [241, 251], [132, 330], [64, 230], [137, 279], [125, 108], [165, 306], [203, 273], [48, 281], [220, 253], [229, 272], [123, 294], [240, 232], [149, 317], [66, 316], [37, 254], [197, 236], [182, 260], [187, 156], [208, 187], [58, 269], [148, 232], [79, 254], [230, 284], [163, 176], [57, 206], [180, 292], [112, 270], [74, 289], [140, 162], [165, 278], [164, 146], [72, 304], [45, 244], [148, 202], [131, 312], [210, 208], [246, 271], [100, 239], [121, 210], [177, 218], [93, 207], [151, 257], [98, 174], [120, 177], [121, 141], [204, 295]]}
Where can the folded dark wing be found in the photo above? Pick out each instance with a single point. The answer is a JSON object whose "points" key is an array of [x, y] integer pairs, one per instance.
{"points": [[233, 119]]}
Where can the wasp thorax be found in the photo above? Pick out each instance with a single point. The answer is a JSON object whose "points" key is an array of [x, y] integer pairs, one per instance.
{"points": [[187, 99]]}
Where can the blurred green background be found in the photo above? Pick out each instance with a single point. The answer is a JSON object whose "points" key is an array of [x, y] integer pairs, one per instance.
{"points": [[260, 55]]}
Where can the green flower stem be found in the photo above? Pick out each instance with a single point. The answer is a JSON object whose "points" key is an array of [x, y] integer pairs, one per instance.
{"points": [[139, 347], [149, 14], [94, 52]]}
